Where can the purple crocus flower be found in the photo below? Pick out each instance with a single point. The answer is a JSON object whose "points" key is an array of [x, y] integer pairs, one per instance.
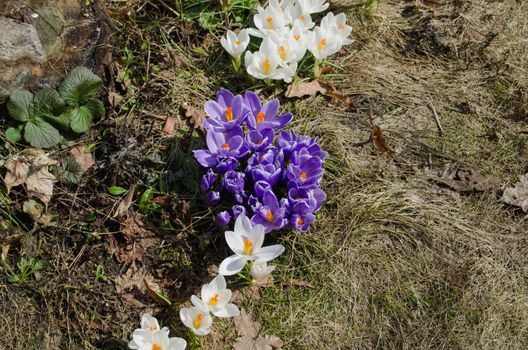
{"points": [[212, 198], [222, 219], [226, 112], [272, 155], [226, 164], [260, 187], [266, 172], [310, 199], [237, 210], [259, 140], [301, 221], [208, 180], [221, 145], [233, 182], [262, 117], [270, 214], [306, 174], [254, 203]]}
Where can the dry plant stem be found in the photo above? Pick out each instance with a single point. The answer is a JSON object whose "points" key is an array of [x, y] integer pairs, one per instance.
{"points": [[437, 119]]}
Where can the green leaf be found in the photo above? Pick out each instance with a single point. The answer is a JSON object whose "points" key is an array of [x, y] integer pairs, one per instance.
{"points": [[80, 119], [116, 190], [20, 105], [41, 134], [96, 107], [69, 171], [48, 101], [62, 121], [80, 86], [13, 135]]}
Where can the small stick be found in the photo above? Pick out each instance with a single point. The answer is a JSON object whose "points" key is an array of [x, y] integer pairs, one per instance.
{"points": [[155, 116], [440, 129]]}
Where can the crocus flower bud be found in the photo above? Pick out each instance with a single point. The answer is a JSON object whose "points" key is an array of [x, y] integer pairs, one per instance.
{"points": [[208, 180], [212, 198], [260, 270], [222, 219], [237, 210]]}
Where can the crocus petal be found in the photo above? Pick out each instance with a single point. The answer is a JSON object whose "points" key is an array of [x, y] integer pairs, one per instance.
{"points": [[232, 265], [243, 225], [235, 241], [199, 303], [214, 110], [230, 310], [218, 283], [270, 109], [205, 158], [177, 343], [270, 252], [253, 101], [282, 120]]}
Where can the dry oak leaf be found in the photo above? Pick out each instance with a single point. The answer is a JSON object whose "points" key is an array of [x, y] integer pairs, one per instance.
{"points": [[131, 285], [301, 89], [379, 140], [138, 240], [31, 169], [169, 127], [195, 116], [517, 195], [466, 180], [249, 337], [84, 159]]}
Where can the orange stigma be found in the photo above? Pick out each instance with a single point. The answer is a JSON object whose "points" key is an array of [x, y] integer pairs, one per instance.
{"points": [[282, 53], [341, 26], [321, 44], [297, 37], [237, 42], [269, 216], [304, 176], [247, 246], [302, 18], [226, 146], [198, 322], [152, 328], [300, 221], [214, 300], [269, 19], [229, 114], [260, 117], [155, 347], [266, 66]]}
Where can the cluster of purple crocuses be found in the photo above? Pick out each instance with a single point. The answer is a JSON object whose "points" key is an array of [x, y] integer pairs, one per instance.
{"points": [[273, 180]]}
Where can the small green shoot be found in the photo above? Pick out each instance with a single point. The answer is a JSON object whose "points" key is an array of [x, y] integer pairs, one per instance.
{"points": [[100, 274], [26, 267]]}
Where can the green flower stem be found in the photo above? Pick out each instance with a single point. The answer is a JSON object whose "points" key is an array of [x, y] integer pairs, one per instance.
{"points": [[194, 341], [236, 63], [317, 68]]}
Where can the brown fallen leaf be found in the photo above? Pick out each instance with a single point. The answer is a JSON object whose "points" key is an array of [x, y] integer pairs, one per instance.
{"points": [[194, 116], [301, 89], [125, 202], [85, 160], [379, 140], [31, 169], [36, 211], [517, 195], [169, 127], [137, 240], [114, 98], [131, 286], [249, 338], [466, 180], [299, 283]]}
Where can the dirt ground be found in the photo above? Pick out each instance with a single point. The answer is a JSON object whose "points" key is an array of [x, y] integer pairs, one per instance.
{"points": [[412, 250]]}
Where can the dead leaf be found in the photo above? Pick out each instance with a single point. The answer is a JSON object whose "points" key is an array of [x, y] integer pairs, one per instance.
{"points": [[85, 160], [195, 116], [301, 89], [517, 195], [132, 285], [36, 211], [114, 98], [299, 283], [169, 127], [137, 240], [466, 180], [125, 202], [379, 140], [249, 337], [31, 169]]}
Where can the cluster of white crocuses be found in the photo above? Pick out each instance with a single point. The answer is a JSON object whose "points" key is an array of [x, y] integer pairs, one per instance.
{"points": [[287, 32], [246, 243]]}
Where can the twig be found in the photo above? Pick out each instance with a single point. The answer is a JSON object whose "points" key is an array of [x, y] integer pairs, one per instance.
{"points": [[440, 129], [155, 116]]}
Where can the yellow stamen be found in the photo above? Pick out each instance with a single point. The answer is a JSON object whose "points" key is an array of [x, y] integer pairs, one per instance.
{"points": [[247, 246], [226, 146], [297, 37], [198, 322], [302, 18], [260, 117], [237, 42], [156, 347], [214, 300], [266, 66], [321, 44], [341, 26], [229, 114], [153, 328], [269, 216], [304, 175], [282, 52]]}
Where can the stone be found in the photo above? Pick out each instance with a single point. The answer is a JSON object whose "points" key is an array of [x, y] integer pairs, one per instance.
{"points": [[43, 39]]}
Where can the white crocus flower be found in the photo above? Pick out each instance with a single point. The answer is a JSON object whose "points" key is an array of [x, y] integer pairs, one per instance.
{"points": [[215, 298], [283, 6], [198, 320], [264, 64], [269, 19], [337, 25], [260, 270], [235, 44], [287, 48], [246, 242], [323, 43], [312, 6], [150, 336], [299, 15]]}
